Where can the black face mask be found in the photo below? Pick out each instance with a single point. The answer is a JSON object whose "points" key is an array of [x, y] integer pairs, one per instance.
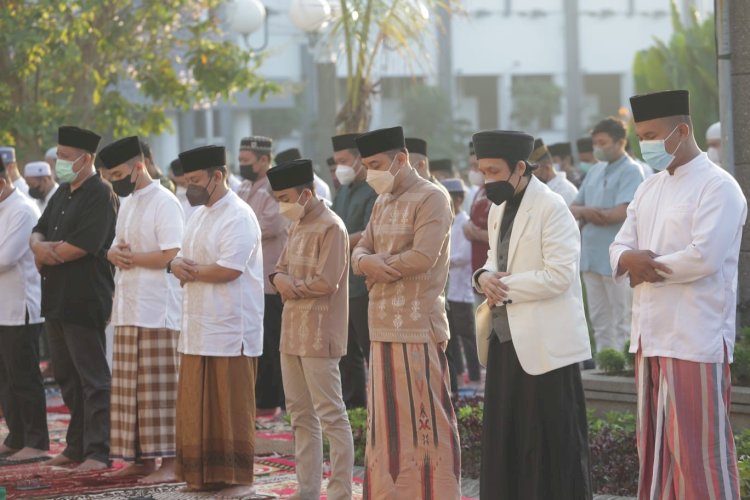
{"points": [[36, 193], [247, 172], [198, 195], [499, 192], [124, 187]]}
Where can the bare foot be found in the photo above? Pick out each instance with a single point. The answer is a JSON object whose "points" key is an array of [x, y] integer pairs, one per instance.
{"points": [[6, 450], [133, 470], [165, 474], [198, 489], [238, 491], [60, 461], [91, 465], [27, 454]]}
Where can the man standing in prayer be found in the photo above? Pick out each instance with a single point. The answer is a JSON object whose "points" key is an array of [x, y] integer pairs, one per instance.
{"points": [[679, 249], [220, 266], [601, 205], [475, 228], [322, 189], [21, 390], [41, 184], [255, 160], [353, 203], [412, 442], [70, 244], [311, 277], [713, 143], [545, 172], [562, 158], [586, 158], [460, 294], [178, 177], [8, 155], [534, 439], [146, 314]]}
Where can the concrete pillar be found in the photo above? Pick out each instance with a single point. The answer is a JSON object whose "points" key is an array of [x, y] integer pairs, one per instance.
{"points": [[739, 30]]}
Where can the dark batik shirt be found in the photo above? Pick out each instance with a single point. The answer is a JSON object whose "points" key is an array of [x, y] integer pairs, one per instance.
{"points": [[353, 204], [80, 291]]}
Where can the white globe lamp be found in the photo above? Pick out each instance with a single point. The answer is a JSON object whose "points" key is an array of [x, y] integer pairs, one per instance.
{"points": [[309, 15], [245, 16]]}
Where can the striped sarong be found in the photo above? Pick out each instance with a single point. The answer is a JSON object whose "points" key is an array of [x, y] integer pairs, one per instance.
{"points": [[144, 393], [685, 443], [412, 449]]}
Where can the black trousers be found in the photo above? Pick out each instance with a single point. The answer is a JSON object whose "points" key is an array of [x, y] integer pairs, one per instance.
{"points": [[21, 388], [352, 366], [269, 389], [535, 434], [461, 324], [79, 362]]}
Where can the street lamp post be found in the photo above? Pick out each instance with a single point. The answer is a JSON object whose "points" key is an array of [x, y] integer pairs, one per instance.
{"points": [[246, 17]]}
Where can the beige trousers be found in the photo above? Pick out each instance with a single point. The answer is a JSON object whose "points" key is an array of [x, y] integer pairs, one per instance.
{"points": [[313, 399]]}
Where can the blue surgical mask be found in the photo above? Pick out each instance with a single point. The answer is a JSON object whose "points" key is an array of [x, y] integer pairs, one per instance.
{"points": [[655, 153]]}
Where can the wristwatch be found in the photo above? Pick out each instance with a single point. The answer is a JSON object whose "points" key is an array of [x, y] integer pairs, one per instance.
{"points": [[169, 267]]}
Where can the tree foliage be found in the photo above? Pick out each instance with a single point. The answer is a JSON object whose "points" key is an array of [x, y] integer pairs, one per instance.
{"points": [[363, 29], [687, 61], [426, 113], [536, 101], [115, 66]]}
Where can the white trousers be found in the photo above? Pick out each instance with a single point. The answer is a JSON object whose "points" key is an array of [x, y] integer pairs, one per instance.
{"points": [[610, 307]]}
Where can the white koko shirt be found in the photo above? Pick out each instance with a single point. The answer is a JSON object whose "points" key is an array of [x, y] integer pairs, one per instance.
{"points": [[561, 185], [693, 220], [149, 220], [20, 284], [224, 319]]}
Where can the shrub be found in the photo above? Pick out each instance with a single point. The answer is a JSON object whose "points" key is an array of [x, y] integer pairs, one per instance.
{"points": [[610, 360], [629, 357], [614, 457], [469, 413], [358, 421], [741, 365]]}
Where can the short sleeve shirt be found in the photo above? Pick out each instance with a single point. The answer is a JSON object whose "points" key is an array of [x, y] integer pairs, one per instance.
{"points": [[80, 291], [605, 186], [150, 220], [224, 319]]}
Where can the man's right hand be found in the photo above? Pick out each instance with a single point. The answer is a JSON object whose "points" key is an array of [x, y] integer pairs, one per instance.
{"points": [[642, 266], [44, 253], [376, 270]]}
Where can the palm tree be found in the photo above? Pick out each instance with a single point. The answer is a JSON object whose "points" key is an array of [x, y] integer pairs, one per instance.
{"points": [[363, 28]]}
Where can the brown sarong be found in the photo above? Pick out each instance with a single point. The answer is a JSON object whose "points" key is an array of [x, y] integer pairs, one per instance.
{"points": [[216, 420], [144, 392], [413, 449]]}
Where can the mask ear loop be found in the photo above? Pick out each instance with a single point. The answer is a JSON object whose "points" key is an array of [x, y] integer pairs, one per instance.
{"points": [[670, 135]]}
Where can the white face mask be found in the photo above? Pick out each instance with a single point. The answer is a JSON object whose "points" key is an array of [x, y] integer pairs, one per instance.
{"points": [[714, 154], [476, 178], [345, 174], [293, 211], [382, 180]]}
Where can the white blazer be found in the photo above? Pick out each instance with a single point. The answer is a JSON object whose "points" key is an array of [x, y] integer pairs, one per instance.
{"points": [[545, 309]]}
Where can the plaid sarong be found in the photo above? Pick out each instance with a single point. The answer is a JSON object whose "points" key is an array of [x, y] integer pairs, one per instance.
{"points": [[144, 393]]}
